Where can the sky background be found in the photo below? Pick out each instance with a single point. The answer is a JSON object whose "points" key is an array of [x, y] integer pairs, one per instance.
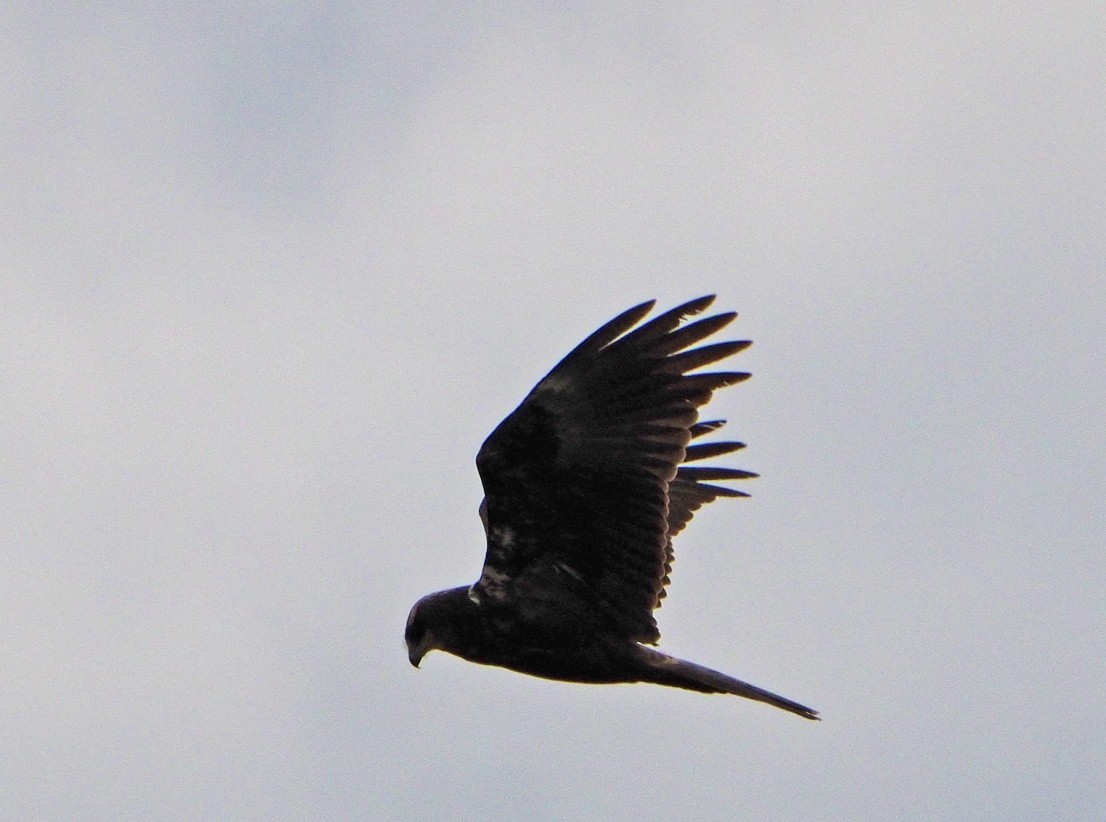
{"points": [[270, 272]]}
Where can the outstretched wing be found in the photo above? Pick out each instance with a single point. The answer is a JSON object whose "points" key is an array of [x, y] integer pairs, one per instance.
{"points": [[583, 482]]}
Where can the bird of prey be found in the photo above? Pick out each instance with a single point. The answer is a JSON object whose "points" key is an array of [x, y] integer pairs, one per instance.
{"points": [[586, 483]]}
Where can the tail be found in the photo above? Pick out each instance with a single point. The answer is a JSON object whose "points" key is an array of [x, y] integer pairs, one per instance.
{"points": [[662, 669]]}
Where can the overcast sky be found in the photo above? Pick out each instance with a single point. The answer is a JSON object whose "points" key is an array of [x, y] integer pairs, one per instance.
{"points": [[270, 273]]}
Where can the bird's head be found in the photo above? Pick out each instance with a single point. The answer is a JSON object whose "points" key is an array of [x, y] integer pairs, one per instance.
{"points": [[439, 622], [420, 638], [445, 621]]}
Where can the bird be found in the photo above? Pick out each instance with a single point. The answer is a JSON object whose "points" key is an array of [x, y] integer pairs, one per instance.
{"points": [[586, 484]]}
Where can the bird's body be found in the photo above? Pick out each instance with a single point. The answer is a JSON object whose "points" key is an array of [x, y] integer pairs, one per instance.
{"points": [[586, 484], [570, 651]]}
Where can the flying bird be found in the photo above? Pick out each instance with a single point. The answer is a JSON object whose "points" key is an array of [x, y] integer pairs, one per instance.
{"points": [[586, 484]]}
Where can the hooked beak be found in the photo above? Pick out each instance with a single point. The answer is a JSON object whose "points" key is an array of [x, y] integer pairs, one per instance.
{"points": [[415, 653]]}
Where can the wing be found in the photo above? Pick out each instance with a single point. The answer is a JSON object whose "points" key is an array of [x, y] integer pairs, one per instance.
{"points": [[583, 482]]}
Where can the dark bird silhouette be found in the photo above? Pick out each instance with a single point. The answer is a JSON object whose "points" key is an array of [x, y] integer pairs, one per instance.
{"points": [[586, 483]]}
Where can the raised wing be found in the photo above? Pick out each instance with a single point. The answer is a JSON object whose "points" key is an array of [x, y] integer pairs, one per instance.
{"points": [[583, 482]]}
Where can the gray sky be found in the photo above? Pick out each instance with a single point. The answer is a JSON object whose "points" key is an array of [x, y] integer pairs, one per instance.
{"points": [[270, 274]]}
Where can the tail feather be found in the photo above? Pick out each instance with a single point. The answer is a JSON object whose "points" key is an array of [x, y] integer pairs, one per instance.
{"points": [[662, 669]]}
